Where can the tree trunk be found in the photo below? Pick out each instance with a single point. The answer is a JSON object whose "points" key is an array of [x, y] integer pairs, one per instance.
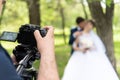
{"points": [[63, 23], [84, 10], [61, 11], [34, 11], [3, 9], [104, 22]]}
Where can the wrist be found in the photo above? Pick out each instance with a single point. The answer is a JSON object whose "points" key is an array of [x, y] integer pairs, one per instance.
{"points": [[47, 51], [48, 57]]}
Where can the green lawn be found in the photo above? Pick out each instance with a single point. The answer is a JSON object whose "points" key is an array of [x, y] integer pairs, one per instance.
{"points": [[63, 51]]}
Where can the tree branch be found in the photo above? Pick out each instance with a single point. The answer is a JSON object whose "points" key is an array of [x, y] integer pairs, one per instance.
{"points": [[110, 10]]}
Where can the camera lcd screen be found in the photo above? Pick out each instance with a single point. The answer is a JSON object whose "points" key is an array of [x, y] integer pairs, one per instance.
{"points": [[9, 36]]}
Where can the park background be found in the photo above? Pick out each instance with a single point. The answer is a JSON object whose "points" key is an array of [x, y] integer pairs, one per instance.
{"points": [[59, 13]]}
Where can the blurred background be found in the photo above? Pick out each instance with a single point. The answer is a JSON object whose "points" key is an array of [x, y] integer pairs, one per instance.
{"points": [[62, 14]]}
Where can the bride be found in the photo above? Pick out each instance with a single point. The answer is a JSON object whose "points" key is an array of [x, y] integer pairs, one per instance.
{"points": [[89, 61]]}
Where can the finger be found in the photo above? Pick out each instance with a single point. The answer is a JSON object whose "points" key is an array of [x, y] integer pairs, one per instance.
{"points": [[50, 30], [37, 35]]}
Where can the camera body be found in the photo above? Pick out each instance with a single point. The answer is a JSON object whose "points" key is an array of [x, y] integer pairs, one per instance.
{"points": [[25, 37], [26, 34], [27, 41]]}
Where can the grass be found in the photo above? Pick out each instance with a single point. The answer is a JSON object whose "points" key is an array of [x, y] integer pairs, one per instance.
{"points": [[63, 50], [62, 56]]}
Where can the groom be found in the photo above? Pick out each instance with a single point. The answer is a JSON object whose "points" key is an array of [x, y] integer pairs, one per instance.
{"points": [[76, 31]]}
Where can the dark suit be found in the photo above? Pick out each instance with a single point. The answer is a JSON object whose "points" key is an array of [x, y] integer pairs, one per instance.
{"points": [[72, 38], [7, 70]]}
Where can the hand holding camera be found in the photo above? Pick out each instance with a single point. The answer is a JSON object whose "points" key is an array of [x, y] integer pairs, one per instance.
{"points": [[45, 43]]}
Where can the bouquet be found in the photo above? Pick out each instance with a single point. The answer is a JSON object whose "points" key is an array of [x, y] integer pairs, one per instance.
{"points": [[87, 43]]}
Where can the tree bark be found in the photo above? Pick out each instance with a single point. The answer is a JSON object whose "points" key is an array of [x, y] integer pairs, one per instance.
{"points": [[84, 10], [61, 11], [34, 11], [63, 23], [104, 23], [2, 12]]}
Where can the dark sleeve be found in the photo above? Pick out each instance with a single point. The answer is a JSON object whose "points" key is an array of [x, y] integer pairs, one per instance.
{"points": [[71, 38], [7, 69]]}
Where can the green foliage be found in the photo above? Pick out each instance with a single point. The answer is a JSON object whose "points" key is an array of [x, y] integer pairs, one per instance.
{"points": [[108, 2], [15, 14], [117, 16]]}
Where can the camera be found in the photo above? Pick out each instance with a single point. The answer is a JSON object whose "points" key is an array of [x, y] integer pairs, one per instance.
{"points": [[26, 52], [25, 35]]}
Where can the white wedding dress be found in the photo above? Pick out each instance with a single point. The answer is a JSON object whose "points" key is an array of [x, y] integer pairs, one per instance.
{"points": [[92, 65]]}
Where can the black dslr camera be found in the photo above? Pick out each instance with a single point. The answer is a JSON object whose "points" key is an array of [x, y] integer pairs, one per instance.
{"points": [[26, 36], [26, 53]]}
